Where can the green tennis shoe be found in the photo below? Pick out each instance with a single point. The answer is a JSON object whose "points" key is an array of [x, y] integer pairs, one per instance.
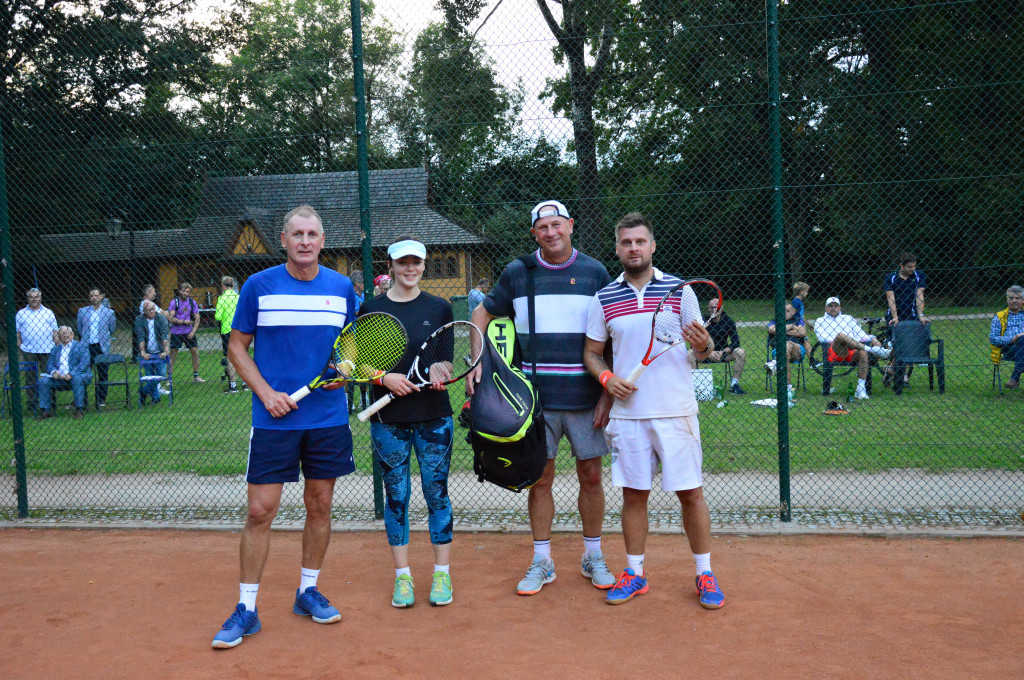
{"points": [[403, 595], [441, 589]]}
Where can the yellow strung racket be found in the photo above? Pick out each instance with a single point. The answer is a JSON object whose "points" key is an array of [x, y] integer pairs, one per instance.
{"points": [[367, 348]]}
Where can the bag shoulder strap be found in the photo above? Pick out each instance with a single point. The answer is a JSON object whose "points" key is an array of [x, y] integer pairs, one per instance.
{"points": [[530, 262]]}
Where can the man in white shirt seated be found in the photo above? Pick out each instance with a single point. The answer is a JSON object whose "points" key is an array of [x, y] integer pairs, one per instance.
{"points": [[67, 368], [849, 343]]}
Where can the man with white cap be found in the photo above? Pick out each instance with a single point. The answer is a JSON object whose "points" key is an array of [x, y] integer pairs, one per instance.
{"points": [[849, 342], [575, 405]]}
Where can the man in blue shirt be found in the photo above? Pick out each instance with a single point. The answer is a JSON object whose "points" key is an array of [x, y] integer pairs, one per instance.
{"points": [[904, 292], [477, 295], [1006, 333], [295, 312]]}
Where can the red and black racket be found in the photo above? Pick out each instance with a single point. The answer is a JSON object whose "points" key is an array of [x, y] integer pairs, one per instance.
{"points": [[679, 306]]}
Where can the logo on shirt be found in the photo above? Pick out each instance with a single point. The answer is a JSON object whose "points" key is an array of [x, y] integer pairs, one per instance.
{"points": [[426, 323], [572, 282], [327, 302]]}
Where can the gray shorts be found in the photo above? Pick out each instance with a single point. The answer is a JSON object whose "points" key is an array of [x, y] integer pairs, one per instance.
{"points": [[578, 427]]}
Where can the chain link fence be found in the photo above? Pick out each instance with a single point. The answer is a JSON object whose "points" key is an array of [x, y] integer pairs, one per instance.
{"points": [[810, 151]]}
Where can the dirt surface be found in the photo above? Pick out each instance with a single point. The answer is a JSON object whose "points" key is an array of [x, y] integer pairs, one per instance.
{"points": [[145, 604]]}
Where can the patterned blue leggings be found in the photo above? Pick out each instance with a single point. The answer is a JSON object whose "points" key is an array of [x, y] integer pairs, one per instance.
{"points": [[392, 449]]}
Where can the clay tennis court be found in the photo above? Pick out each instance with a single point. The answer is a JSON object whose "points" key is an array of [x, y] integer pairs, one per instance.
{"points": [[145, 604]]}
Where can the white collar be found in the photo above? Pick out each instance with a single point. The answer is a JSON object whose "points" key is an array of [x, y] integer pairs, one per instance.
{"points": [[658, 276]]}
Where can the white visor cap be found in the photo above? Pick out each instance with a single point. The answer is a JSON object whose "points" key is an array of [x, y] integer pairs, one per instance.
{"points": [[548, 209], [402, 248]]}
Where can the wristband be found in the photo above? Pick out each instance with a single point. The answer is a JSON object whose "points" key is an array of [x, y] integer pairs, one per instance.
{"points": [[604, 378], [379, 380], [707, 348]]}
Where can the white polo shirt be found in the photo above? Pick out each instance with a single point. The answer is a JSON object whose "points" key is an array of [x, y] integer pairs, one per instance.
{"points": [[36, 327], [828, 327], [621, 312]]}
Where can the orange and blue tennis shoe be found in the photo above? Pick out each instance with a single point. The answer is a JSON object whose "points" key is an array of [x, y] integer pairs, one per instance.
{"points": [[711, 596], [627, 587]]}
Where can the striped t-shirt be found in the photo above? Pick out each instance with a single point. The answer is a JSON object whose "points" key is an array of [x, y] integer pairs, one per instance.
{"points": [[563, 293], [623, 314], [295, 324]]}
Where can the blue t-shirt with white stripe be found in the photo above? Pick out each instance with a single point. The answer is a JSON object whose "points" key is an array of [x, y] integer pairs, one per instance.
{"points": [[295, 324]]}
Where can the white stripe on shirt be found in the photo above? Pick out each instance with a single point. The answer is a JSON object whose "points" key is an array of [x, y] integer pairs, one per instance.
{"points": [[299, 318], [313, 303], [555, 314]]}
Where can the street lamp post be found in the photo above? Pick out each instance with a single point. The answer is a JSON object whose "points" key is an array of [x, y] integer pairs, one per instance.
{"points": [[114, 227]]}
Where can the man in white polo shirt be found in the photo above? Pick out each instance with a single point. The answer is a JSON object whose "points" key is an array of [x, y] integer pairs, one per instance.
{"points": [[655, 419], [37, 329], [849, 342]]}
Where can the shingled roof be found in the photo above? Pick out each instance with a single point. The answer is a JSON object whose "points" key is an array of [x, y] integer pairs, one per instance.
{"points": [[399, 203]]}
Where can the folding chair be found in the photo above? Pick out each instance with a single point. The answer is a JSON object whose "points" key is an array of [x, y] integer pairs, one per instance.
{"points": [[801, 377], [152, 371], [997, 375], [110, 361], [911, 346], [29, 371]]}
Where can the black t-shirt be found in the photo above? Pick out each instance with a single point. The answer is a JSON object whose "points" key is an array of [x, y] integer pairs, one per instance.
{"points": [[723, 332], [421, 316]]}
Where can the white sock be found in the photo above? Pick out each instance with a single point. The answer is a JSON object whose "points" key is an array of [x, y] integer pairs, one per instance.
{"points": [[247, 595], [404, 571], [703, 562], [735, 382], [591, 544], [442, 567], [542, 548], [308, 578], [232, 384], [636, 563], [862, 384]]}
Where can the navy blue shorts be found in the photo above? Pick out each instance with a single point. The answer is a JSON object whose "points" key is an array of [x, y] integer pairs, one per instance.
{"points": [[275, 455]]}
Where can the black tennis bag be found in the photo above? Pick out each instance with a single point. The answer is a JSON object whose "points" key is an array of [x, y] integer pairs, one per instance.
{"points": [[505, 416]]}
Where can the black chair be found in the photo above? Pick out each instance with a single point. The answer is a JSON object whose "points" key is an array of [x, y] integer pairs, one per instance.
{"points": [[911, 346], [110, 361], [828, 367], [29, 371]]}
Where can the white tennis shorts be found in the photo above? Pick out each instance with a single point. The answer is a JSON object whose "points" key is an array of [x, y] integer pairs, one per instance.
{"points": [[638, 445]]}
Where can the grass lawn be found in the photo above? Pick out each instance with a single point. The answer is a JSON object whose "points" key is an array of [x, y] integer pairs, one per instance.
{"points": [[207, 432]]}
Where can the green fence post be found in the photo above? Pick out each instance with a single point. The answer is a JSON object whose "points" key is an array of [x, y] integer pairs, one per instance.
{"points": [[363, 153], [781, 357], [17, 421]]}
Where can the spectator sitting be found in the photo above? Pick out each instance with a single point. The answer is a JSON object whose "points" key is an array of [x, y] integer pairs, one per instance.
{"points": [[183, 313], [796, 335], [722, 330], [849, 342], [37, 329], [67, 368], [96, 326], [476, 296], [1006, 333], [153, 332]]}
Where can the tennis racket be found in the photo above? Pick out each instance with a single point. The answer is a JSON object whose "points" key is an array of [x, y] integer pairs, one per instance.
{"points": [[368, 347], [452, 351], [678, 306]]}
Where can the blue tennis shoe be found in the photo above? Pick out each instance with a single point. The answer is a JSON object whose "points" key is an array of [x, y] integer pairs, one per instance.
{"points": [[238, 625], [313, 603]]}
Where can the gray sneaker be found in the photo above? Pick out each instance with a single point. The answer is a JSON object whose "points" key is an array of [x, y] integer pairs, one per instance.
{"points": [[594, 567], [540, 573]]}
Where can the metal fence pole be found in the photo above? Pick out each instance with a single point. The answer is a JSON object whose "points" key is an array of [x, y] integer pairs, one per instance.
{"points": [[12, 344], [363, 152], [781, 355]]}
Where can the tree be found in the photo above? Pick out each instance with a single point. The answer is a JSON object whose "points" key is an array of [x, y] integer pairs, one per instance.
{"points": [[454, 114], [285, 98]]}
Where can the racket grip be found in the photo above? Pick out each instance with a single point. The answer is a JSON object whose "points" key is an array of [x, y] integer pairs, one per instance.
{"points": [[368, 412], [636, 373], [300, 393]]}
